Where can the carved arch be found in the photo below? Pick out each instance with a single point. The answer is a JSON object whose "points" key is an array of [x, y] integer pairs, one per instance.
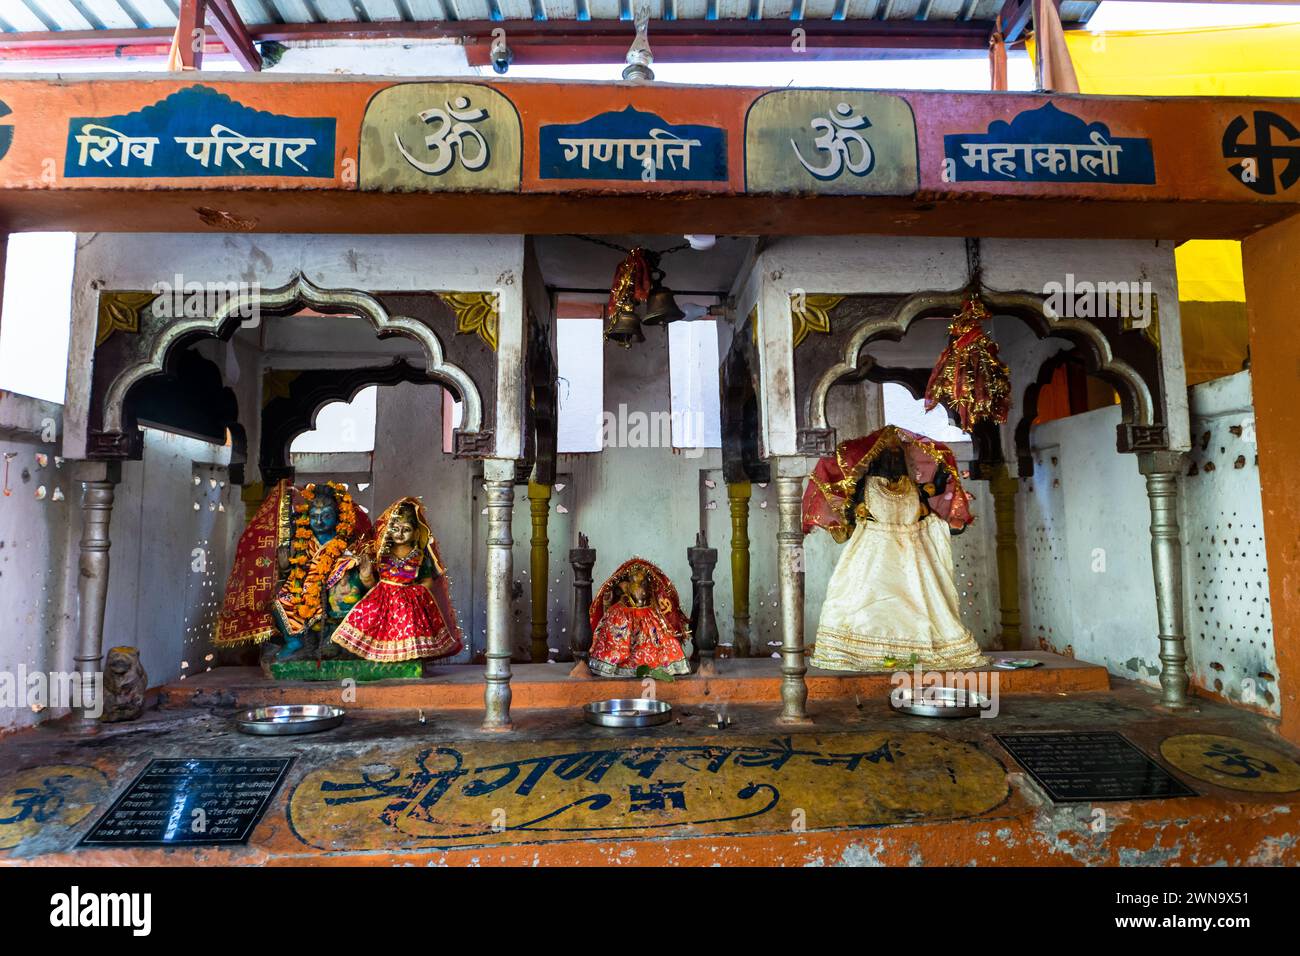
{"points": [[285, 417], [298, 293], [1144, 427]]}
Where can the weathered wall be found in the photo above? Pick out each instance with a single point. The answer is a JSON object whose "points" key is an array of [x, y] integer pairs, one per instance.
{"points": [[170, 552], [641, 501], [1085, 549], [171, 533], [38, 551], [1087, 588], [1229, 619]]}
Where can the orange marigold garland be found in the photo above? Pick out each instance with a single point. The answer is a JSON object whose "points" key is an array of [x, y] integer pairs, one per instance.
{"points": [[969, 378], [306, 574]]}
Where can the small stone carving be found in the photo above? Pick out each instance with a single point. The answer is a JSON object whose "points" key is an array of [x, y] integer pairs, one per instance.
{"points": [[124, 685]]}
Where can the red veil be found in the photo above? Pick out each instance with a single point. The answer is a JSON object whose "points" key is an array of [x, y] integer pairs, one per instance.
{"points": [[429, 544], [829, 494], [666, 601], [245, 614]]}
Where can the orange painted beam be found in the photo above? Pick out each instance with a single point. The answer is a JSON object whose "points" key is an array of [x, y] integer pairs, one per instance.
{"points": [[544, 686], [1271, 260]]}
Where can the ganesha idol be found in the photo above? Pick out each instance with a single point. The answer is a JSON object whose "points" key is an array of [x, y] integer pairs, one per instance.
{"points": [[637, 621]]}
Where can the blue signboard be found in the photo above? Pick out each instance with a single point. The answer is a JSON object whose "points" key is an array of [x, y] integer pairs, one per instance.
{"points": [[633, 145], [1047, 145], [199, 132]]}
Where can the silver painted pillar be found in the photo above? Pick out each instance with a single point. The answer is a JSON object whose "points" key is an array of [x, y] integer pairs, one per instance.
{"points": [[790, 472], [1162, 469], [98, 482], [500, 478]]}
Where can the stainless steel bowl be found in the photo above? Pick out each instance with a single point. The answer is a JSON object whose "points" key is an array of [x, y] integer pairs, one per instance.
{"points": [[627, 712], [937, 702], [1015, 663], [282, 719]]}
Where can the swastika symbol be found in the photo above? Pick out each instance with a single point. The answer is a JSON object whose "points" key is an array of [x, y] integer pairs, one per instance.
{"points": [[657, 796], [1266, 153]]}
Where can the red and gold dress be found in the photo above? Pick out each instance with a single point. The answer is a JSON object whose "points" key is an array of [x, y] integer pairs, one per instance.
{"points": [[400, 619], [637, 620]]}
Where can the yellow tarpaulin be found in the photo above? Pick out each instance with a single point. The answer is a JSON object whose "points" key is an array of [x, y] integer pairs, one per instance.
{"points": [[1223, 61], [1257, 60]]}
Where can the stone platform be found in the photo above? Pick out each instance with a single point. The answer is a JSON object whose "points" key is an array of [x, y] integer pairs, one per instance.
{"points": [[542, 686], [862, 785]]}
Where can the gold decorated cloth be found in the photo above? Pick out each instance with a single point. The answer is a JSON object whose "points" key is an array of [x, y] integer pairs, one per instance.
{"points": [[829, 495], [969, 379], [245, 615], [892, 595]]}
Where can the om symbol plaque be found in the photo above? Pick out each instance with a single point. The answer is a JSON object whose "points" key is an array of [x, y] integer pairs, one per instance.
{"points": [[845, 142], [1232, 763], [436, 137], [57, 797]]}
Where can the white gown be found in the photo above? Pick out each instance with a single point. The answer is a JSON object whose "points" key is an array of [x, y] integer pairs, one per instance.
{"points": [[892, 592]]}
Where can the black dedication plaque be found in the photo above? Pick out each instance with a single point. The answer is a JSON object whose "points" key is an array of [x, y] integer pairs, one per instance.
{"points": [[190, 802], [1087, 767]]}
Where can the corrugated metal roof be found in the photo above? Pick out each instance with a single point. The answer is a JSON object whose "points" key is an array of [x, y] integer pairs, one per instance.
{"points": [[36, 16]]}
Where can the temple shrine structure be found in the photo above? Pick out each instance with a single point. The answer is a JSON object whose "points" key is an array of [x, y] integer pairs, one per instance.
{"points": [[622, 340]]}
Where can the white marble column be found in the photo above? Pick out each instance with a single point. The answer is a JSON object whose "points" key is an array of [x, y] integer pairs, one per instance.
{"points": [[98, 483], [1162, 469], [790, 474], [500, 479]]}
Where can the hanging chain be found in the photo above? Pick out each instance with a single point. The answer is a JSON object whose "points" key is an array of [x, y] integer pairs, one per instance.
{"points": [[974, 268], [625, 249]]}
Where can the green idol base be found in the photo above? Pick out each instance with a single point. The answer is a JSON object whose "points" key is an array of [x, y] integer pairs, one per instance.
{"points": [[341, 670]]}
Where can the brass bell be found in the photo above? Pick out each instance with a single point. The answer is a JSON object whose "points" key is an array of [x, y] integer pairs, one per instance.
{"points": [[625, 327], [660, 305]]}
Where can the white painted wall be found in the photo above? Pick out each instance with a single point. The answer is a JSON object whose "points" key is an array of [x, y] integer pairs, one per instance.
{"points": [[168, 562], [172, 546], [1087, 551], [1229, 622], [1087, 587], [38, 569]]}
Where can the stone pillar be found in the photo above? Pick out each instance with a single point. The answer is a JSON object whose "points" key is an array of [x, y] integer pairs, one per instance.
{"points": [[539, 568], [738, 494], [252, 495], [582, 559], [704, 626], [790, 473], [1003, 487], [500, 478], [98, 481], [1162, 469]]}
